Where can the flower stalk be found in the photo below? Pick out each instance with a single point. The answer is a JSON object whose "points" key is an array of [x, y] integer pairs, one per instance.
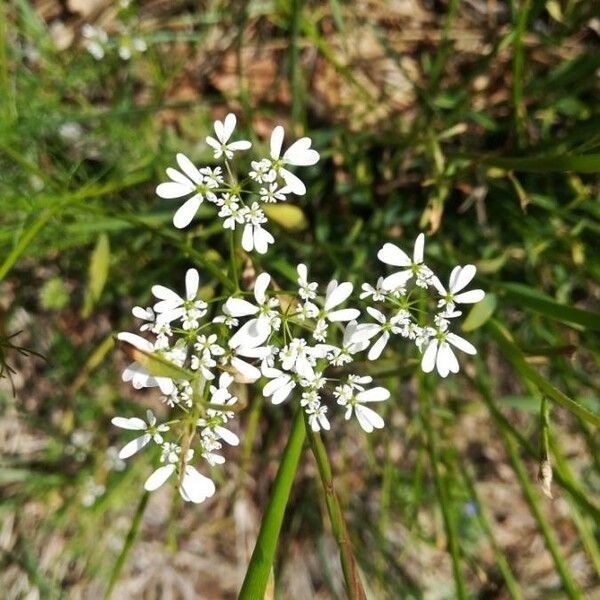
{"points": [[354, 586], [257, 574]]}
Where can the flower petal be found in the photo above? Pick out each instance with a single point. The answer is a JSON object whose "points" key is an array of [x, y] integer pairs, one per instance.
{"points": [[378, 346], [134, 446], [396, 280], [192, 281], [376, 394], [282, 393], [262, 239], [470, 297], [238, 307], [368, 419], [345, 314], [178, 177], [419, 249], [131, 423], [158, 477], [195, 487], [276, 142], [227, 436], [228, 127], [172, 189], [390, 254], [245, 369], [428, 361], [463, 278], [248, 238], [187, 166], [260, 286], [336, 295], [187, 211], [135, 340], [461, 343], [300, 153], [240, 145]]}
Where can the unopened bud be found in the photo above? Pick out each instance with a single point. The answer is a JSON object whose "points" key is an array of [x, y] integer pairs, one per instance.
{"points": [[545, 477]]}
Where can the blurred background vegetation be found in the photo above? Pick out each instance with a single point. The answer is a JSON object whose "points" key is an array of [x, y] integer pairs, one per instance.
{"points": [[476, 121]]}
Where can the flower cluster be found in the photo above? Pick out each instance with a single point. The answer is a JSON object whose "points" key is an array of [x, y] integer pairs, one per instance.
{"points": [[238, 204], [402, 308], [299, 344], [127, 44]]}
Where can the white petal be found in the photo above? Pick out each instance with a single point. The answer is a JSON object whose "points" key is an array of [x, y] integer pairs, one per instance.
{"points": [[131, 423], [299, 153], [276, 141], [345, 314], [463, 278], [227, 436], [453, 275], [282, 393], [246, 369], [469, 297], [419, 248], [187, 211], [158, 477], [188, 168], [395, 280], [165, 384], [445, 358], [170, 190], [437, 284], [364, 332], [195, 487], [304, 368], [164, 293], [428, 361], [302, 272], [228, 127], [219, 130], [390, 254], [240, 145], [294, 183], [178, 177], [238, 307], [214, 144], [461, 343], [378, 346], [248, 334], [135, 340], [248, 238], [262, 239], [260, 286], [192, 281], [275, 384], [367, 418], [337, 295], [376, 314], [376, 394], [134, 446]]}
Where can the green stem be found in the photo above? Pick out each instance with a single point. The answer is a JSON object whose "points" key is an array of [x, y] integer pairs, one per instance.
{"points": [[233, 260], [255, 581], [131, 535], [340, 531]]}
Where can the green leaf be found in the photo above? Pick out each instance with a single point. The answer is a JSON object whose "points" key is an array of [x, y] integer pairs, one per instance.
{"points": [[480, 313], [288, 216], [97, 274], [589, 163], [515, 356], [544, 305]]}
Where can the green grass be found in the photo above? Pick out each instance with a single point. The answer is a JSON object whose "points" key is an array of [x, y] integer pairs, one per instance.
{"points": [[495, 154]]}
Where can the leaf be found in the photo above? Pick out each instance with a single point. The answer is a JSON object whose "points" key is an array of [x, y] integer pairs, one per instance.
{"points": [[480, 313], [97, 274], [288, 216], [516, 358], [587, 163], [155, 364], [544, 305]]}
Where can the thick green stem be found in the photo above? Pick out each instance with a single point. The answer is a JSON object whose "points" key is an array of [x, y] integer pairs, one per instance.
{"points": [[255, 581], [340, 531]]}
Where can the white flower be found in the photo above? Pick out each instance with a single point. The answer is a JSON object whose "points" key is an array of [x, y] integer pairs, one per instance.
{"points": [[273, 193], [194, 487], [256, 330], [150, 429], [439, 354], [317, 417], [299, 154], [95, 40], [223, 131], [280, 386], [390, 254], [203, 363], [145, 314], [334, 296], [262, 171], [306, 290], [378, 292], [172, 306], [254, 237], [459, 279], [384, 327], [136, 373], [207, 344], [298, 357], [128, 46], [190, 181], [231, 216], [368, 419], [354, 341]]}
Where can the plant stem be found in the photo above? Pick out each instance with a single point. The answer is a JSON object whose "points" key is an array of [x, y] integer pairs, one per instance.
{"points": [[255, 581], [233, 260], [340, 531]]}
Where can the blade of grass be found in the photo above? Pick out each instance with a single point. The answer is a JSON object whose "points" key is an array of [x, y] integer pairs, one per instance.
{"points": [[354, 586], [131, 535], [514, 355], [257, 574], [520, 14], [445, 505], [511, 583]]}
